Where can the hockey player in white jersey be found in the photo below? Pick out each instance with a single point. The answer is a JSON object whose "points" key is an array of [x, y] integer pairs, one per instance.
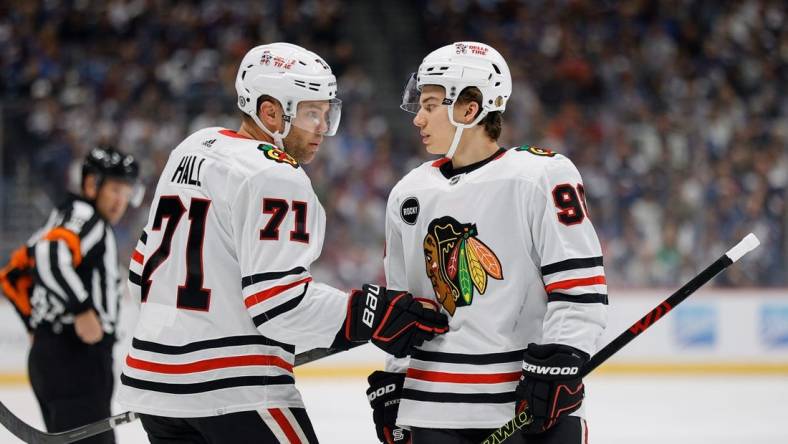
{"points": [[222, 270], [503, 240]]}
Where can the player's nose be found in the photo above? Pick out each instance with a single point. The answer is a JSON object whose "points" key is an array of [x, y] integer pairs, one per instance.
{"points": [[322, 127], [418, 120]]}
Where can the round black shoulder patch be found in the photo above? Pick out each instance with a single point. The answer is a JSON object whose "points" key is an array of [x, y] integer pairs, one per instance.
{"points": [[409, 211]]}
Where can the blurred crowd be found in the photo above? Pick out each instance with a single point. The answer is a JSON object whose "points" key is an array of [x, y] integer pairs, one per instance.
{"points": [[674, 111]]}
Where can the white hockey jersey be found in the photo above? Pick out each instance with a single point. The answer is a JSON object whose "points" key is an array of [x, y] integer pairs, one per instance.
{"points": [[507, 248], [222, 270]]}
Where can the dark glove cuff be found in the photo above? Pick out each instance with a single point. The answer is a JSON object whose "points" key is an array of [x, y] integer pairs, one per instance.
{"points": [[384, 386], [553, 361], [353, 330]]}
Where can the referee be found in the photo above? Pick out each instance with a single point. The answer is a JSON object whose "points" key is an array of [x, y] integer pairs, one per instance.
{"points": [[65, 283]]}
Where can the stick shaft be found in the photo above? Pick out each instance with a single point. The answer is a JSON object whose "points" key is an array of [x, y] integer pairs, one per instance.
{"points": [[30, 434], [315, 354], [655, 314], [506, 430]]}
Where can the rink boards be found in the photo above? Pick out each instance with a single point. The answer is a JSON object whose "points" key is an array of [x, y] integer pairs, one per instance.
{"points": [[715, 331]]}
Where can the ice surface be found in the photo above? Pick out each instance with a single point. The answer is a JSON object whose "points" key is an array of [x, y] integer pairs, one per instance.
{"points": [[622, 410]]}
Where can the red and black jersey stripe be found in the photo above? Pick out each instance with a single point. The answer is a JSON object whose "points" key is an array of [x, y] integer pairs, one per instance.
{"points": [[470, 398], [221, 362], [207, 386], [480, 379], [269, 276], [230, 341], [135, 278], [280, 309], [554, 287], [267, 293], [463, 358], [572, 264], [584, 298]]}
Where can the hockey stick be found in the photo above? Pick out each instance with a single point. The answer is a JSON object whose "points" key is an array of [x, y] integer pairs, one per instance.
{"points": [[319, 353], [749, 243], [31, 435]]}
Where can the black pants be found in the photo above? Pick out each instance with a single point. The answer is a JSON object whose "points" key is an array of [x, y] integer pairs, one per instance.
{"points": [[264, 426], [72, 381], [569, 430]]}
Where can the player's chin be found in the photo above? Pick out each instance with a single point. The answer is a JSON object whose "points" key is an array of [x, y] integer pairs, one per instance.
{"points": [[432, 149], [114, 217], [308, 156]]}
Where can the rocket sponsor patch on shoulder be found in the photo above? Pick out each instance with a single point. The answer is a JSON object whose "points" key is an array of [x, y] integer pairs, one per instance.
{"points": [[409, 211]]}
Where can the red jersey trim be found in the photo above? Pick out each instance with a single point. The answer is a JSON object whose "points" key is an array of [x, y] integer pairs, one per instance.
{"points": [[285, 425], [441, 161], [233, 134], [209, 364], [438, 163], [137, 257], [572, 283], [271, 292], [463, 378]]}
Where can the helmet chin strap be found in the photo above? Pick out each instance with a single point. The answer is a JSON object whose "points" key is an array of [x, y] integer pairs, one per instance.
{"points": [[277, 136], [455, 142], [458, 128]]}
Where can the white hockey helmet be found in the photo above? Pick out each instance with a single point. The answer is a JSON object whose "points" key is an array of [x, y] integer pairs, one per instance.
{"points": [[456, 67], [290, 74]]}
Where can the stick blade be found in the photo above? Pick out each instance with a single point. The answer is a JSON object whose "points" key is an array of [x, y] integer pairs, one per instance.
{"points": [[749, 243]]}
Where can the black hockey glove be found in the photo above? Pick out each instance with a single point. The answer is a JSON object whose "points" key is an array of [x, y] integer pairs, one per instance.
{"points": [[384, 392], [395, 321], [550, 386]]}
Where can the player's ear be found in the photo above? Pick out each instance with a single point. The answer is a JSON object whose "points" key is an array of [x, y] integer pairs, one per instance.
{"points": [[465, 112], [90, 187], [471, 111], [270, 114]]}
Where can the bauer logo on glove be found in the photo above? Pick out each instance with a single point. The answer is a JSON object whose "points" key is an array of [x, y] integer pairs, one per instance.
{"points": [[394, 321]]}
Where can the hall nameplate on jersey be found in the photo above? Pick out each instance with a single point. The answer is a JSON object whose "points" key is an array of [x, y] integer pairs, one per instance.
{"points": [[188, 171]]}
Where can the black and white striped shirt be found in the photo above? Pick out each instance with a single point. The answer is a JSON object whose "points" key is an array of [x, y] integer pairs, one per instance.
{"points": [[76, 268]]}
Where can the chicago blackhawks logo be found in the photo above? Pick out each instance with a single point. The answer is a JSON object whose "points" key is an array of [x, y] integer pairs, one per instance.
{"points": [[277, 155], [536, 150], [457, 262]]}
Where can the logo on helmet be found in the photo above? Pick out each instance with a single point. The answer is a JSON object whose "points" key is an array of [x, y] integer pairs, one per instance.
{"points": [[460, 48], [266, 58], [478, 49], [241, 101], [281, 62]]}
